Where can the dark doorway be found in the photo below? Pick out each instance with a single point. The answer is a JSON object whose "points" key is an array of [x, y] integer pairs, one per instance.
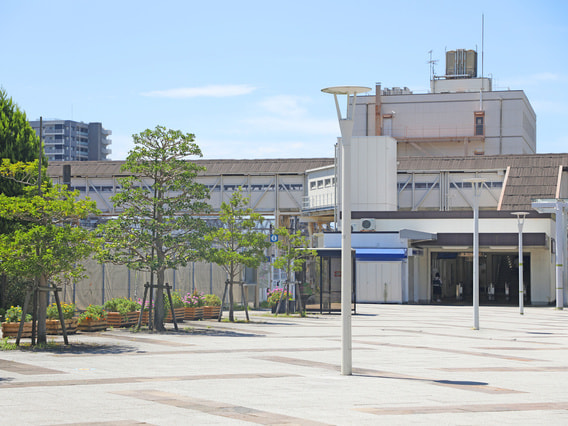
{"points": [[501, 270]]}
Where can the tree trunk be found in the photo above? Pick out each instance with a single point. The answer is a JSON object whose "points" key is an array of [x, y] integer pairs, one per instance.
{"points": [[159, 312], [42, 311], [231, 301], [3, 285]]}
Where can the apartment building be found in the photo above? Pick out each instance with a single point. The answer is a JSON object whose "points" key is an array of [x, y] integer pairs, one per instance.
{"points": [[68, 140]]}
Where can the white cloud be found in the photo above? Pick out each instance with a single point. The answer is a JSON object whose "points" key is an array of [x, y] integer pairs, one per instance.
{"points": [[529, 80], [121, 145], [216, 91], [303, 125], [288, 114], [285, 105]]}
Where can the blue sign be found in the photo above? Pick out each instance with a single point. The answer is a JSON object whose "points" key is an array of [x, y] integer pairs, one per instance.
{"points": [[273, 238]]}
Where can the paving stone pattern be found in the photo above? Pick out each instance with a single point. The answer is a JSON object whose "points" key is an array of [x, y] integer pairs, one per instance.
{"points": [[411, 365]]}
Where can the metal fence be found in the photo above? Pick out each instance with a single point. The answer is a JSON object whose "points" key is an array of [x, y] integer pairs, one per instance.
{"points": [[107, 281]]}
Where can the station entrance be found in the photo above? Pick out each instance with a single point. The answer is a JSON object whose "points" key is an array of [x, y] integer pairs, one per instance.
{"points": [[498, 277]]}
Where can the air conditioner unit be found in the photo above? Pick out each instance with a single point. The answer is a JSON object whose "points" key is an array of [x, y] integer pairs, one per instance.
{"points": [[362, 225], [367, 224]]}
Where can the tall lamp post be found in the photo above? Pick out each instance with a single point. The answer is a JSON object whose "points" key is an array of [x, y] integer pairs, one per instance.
{"points": [[520, 223], [346, 127], [476, 183]]}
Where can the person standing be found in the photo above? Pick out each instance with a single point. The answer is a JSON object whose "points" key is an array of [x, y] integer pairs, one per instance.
{"points": [[437, 287]]}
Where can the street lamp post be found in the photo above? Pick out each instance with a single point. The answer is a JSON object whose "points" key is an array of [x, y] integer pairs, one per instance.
{"points": [[520, 223], [476, 183], [346, 127]]}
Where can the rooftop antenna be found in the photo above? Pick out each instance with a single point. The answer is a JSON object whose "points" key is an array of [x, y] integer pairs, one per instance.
{"points": [[432, 62], [482, 42]]}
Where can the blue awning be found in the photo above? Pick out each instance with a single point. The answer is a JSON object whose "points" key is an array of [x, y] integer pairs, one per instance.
{"points": [[382, 254]]}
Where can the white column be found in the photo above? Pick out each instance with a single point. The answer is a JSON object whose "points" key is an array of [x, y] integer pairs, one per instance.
{"points": [[346, 260], [521, 276], [559, 257], [475, 258], [476, 183]]}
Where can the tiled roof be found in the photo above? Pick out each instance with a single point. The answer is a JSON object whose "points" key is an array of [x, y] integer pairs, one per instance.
{"points": [[214, 167], [530, 176]]}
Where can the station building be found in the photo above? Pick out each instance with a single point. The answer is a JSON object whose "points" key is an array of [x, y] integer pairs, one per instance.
{"points": [[412, 202]]}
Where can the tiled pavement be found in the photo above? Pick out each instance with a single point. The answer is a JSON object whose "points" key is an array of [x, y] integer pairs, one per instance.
{"points": [[411, 365]]}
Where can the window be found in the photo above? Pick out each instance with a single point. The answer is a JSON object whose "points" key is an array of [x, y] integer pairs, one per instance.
{"points": [[313, 184], [479, 123]]}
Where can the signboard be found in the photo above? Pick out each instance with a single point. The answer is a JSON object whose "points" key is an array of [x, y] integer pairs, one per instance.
{"points": [[273, 238]]}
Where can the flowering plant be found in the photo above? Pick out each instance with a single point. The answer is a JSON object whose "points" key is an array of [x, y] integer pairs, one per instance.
{"points": [[14, 314], [146, 305], [212, 300], [177, 301], [274, 296], [94, 313], [67, 308], [194, 300]]}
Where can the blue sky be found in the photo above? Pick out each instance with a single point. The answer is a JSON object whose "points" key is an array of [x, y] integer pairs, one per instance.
{"points": [[246, 76]]}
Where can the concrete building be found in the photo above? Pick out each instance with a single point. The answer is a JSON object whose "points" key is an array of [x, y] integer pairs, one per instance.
{"points": [[68, 140], [461, 116]]}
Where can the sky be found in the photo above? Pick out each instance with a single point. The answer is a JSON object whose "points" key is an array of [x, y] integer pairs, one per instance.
{"points": [[246, 76]]}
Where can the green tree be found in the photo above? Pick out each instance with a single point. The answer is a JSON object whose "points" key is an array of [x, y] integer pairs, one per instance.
{"points": [[160, 203], [49, 242], [18, 142], [238, 242], [293, 250]]}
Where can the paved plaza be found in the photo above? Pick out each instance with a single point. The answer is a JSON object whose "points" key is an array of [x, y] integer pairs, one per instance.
{"points": [[411, 365]]}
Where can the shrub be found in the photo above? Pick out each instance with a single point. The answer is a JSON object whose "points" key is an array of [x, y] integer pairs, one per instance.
{"points": [[67, 308], [93, 312], [122, 305], [14, 314], [274, 296], [177, 301], [212, 300]]}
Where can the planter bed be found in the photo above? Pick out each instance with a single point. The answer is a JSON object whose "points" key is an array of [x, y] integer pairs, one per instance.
{"points": [[180, 314], [10, 329], [93, 325], [193, 313], [211, 312], [53, 326], [116, 319]]}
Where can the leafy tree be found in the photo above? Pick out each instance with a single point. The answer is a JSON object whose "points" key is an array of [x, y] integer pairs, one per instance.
{"points": [[49, 242], [293, 250], [238, 242], [18, 142], [159, 226]]}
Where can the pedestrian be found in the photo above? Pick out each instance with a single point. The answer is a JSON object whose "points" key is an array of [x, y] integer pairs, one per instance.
{"points": [[437, 287]]}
